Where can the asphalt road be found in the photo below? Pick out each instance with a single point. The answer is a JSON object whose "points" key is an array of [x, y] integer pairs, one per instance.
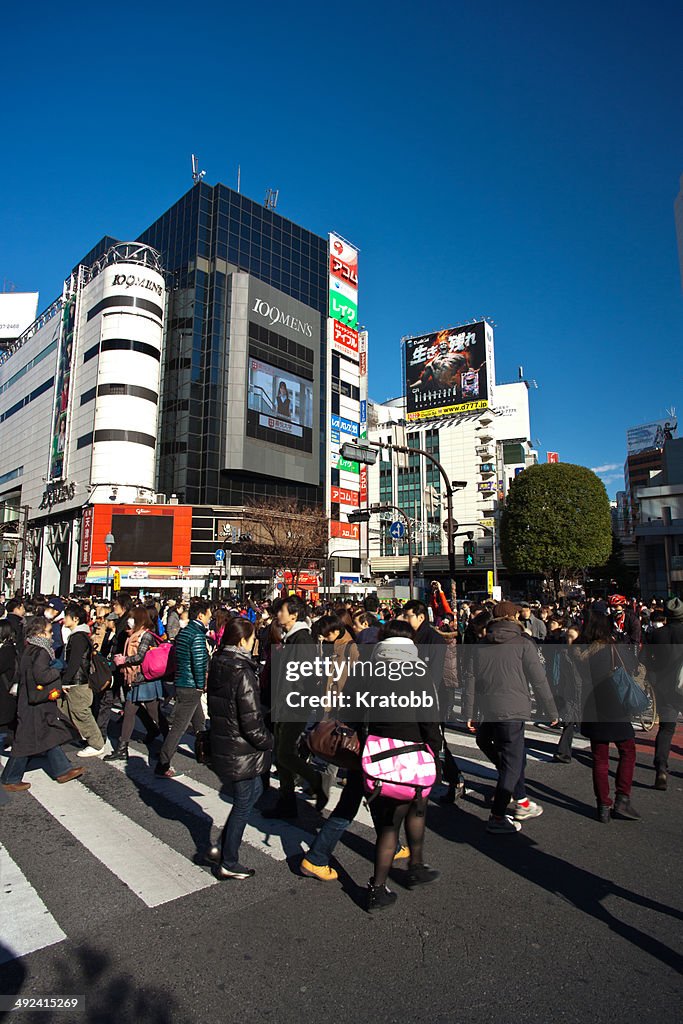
{"points": [[567, 921]]}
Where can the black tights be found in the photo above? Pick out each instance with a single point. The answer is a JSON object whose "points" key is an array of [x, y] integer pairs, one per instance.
{"points": [[389, 816]]}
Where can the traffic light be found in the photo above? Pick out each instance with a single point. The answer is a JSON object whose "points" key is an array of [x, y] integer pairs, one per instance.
{"points": [[469, 550]]}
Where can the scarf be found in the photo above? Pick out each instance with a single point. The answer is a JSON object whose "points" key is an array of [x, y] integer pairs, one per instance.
{"points": [[42, 641]]}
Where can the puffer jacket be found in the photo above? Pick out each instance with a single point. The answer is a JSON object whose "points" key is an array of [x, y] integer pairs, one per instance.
{"points": [[191, 656], [240, 741], [504, 667]]}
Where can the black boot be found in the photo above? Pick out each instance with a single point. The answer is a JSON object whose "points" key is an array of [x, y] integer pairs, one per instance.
{"points": [[623, 808], [660, 779], [603, 813], [120, 754], [379, 897]]}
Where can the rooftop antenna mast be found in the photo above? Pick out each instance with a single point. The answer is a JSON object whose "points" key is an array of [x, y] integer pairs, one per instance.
{"points": [[671, 412], [197, 175], [529, 383], [271, 199]]}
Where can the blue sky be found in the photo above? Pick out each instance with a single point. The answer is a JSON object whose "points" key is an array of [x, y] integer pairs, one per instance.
{"points": [[512, 160]]}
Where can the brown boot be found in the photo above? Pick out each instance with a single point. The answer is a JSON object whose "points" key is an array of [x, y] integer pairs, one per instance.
{"points": [[16, 787], [68, 776]]}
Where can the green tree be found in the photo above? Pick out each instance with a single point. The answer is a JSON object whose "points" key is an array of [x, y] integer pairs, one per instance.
{"points": [[556, 521]]}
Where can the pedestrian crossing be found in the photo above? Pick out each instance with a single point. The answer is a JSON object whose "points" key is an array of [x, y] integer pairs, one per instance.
{"points": [[147, 866]]}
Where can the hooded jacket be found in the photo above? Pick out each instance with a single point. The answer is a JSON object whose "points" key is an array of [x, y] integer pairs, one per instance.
{"points": [[240, 741], [504, 666]]}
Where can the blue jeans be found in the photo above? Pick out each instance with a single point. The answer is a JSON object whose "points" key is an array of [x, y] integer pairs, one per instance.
{"points": [[57, 764], [338, 821], [245, 793]]}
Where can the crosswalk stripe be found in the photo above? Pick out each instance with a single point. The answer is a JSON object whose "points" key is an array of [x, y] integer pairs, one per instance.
{"points": [[277, 839], [152, 870], [27, 924]]}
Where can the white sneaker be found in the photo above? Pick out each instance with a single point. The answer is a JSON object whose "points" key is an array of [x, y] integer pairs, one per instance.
{"points": [[92, 751], [524, 811], [503, 826]]}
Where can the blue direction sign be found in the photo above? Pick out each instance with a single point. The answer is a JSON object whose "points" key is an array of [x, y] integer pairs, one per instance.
{"points": [[219, 555], [397, 531]]}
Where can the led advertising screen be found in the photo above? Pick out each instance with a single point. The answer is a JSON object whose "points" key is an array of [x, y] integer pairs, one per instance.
{"points": [[279, 406], [447, 372], [143, 538]]}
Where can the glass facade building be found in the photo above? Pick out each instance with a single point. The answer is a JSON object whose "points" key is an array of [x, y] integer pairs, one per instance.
{"points": [[208, 235]]}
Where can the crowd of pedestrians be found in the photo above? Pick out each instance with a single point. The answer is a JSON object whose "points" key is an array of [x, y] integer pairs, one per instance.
{"points": [[75, 670]]}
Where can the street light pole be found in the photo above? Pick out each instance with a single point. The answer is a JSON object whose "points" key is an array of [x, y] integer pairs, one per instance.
{"points": [[109, 542]]}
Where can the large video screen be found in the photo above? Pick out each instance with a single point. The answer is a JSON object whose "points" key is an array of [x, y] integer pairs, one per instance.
{"points": [[279, 406], [142, 538], [446, 372]]}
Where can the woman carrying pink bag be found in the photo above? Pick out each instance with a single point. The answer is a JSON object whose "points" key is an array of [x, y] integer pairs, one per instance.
{"points": [[400, 761]]}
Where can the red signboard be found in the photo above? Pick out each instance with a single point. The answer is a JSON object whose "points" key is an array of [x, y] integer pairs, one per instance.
{"points": [[363, 364], [344, 531], [86, 535], [346, 272], [553, 457], [363, 476], [344, 496], [344, 339], [179, 536]]}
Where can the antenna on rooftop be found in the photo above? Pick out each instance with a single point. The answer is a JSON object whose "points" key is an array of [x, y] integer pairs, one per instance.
{"points": [[197, 175], [271, 199]]}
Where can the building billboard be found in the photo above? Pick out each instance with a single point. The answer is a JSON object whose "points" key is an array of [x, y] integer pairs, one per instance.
{"points": [[145, 536], [279, 405], [650, 435], [62, 391], [18, 310], [448, 372]]}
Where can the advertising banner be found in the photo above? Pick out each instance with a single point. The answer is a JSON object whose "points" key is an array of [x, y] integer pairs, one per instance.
{"points": [[344, 496], [650, 435], [343, 339], [447, 372], [343, 261], [279, 405], [552, 457], [342, 464], [62, 390], [86, 536], [344, 531], [343, 303], [363, 477], [344, 426], [18, 310]]}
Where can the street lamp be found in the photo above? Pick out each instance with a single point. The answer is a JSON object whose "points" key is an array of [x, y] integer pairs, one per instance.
{"points": [[109, 542]]}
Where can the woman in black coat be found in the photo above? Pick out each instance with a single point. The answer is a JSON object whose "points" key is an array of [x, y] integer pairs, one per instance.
{"points": [[8, 672], [40, 728], [604, 720], [240, 741]]}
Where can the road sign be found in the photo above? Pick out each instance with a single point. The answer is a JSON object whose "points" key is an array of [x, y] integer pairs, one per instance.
{"points": [[116, 584], [488, 523], [397, 530], [450, 525], [489, 582], [219, 555]]}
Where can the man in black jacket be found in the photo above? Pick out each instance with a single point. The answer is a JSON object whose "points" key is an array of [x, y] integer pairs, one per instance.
{"points": [[16, 610], [291, 617], [78, 696], [664, 656], [504, 667]]}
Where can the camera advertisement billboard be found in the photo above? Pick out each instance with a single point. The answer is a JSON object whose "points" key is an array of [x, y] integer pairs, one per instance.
{"points": [[448, 372], [650, 435]]}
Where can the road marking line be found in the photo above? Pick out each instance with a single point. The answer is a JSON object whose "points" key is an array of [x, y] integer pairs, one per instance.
{"points": [[152, 870], [27, 924], [277, 839]]}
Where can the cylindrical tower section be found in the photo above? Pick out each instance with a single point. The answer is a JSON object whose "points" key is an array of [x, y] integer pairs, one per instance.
{"points": [[128, 377]]}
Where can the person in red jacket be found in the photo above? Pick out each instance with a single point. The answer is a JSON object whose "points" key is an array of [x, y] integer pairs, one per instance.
{"points": [[439, 603]]}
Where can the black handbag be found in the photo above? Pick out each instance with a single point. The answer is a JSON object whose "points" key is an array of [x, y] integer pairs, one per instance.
{"points": [[202, 747]]}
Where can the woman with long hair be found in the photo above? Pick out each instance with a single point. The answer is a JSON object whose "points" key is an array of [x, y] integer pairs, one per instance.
{"points": [[140, 692], [8, 679], [240, 741], [604, 721]]}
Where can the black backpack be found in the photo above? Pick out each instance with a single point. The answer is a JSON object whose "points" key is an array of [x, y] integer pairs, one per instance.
{"points": [[101, 673]]}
